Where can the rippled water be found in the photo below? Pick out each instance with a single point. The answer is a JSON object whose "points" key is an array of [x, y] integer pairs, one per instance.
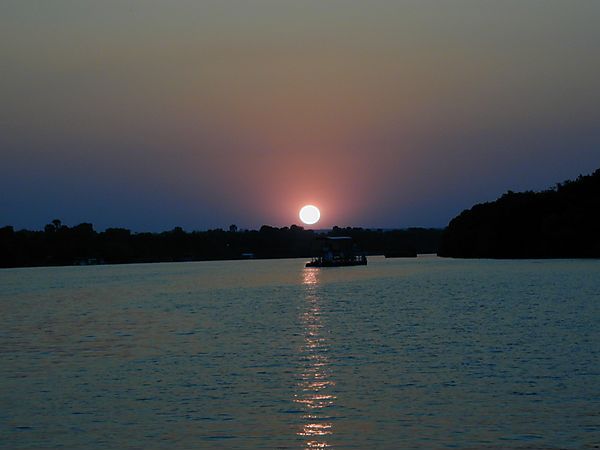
{"points": [[401, 354]]}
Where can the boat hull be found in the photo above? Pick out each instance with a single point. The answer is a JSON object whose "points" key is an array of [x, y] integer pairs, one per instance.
{"points": [[337, 263]]}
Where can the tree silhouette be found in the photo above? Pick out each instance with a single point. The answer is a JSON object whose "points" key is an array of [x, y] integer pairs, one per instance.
{"points": [[59, 244], [559, 222]]}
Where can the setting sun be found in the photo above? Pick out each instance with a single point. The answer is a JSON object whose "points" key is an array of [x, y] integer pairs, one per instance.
{"points": [[310, 214]]}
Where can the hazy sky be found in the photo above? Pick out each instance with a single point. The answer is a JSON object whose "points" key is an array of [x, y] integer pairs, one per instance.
{"points": [[151, 114]]}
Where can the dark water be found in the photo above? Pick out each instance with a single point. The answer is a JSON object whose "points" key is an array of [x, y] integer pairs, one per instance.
{"points": [[401, 354]]}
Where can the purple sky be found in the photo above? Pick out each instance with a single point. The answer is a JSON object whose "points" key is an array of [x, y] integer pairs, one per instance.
{"points": [[149, 114]]}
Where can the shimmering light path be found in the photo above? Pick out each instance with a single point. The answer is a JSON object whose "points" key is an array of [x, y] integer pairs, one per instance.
{"points": [[316, 378]]}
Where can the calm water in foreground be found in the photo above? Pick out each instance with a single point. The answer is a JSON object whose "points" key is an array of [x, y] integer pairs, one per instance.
{"points": [[420, 353]]}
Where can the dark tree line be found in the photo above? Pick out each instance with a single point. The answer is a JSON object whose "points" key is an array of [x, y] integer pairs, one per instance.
{"points": [[59, 244], [561, 222]]}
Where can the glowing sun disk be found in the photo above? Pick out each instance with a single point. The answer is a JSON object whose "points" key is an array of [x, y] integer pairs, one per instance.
{"points": [[310, 214]]}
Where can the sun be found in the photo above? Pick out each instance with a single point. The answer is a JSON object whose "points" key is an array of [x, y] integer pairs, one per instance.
{"points": [[310, 214]]}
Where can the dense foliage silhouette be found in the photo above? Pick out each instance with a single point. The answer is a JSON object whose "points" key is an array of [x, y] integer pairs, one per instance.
{"points": [[562, 222], [59, 244]]}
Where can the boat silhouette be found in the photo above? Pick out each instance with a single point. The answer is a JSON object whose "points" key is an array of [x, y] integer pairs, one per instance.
{"points": [[337, 251]]}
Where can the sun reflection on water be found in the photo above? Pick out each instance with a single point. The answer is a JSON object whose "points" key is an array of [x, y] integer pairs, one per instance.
{"points": [[315, 378]]}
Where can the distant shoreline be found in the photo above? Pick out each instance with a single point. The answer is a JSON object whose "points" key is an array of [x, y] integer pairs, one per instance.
{"points": [[81, 245], [419, 255]]}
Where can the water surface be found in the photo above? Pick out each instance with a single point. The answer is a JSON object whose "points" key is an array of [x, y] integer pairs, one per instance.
{"points": [[423, 353]]}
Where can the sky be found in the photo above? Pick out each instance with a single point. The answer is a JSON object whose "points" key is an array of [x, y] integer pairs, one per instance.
{"points": [[152, 114]]}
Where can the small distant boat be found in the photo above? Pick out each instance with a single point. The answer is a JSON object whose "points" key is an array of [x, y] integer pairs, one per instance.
{"points": [[338, 251], [337, 262]]}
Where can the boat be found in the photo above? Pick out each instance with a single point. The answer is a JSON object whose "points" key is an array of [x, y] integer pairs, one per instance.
{"points": [[338, 251]]}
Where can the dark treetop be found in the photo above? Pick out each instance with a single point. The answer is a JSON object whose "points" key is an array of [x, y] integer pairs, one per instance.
{"points": [[563, 222], [59, 244]]}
